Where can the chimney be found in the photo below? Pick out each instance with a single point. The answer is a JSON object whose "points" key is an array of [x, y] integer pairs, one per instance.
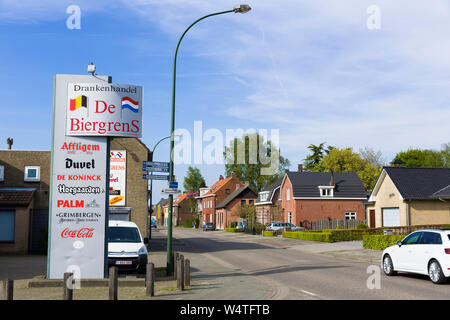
{"points": [[9, 141], [220, 177], [233, 174], [246, 184], [286, 170], [332, 183], [300, 168]]}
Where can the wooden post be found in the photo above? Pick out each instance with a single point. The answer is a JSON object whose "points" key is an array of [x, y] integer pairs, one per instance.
{"points": [[68, 286], [180, 272], [187, 273], [8, 289], [175, 264], [150, 280], [113, 283]]}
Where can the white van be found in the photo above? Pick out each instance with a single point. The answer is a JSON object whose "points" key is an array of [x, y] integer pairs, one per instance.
{"points": [[126, 248]]}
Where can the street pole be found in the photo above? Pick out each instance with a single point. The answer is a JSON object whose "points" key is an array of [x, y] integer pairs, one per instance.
{"points": [[149, 228], [237, 9]]}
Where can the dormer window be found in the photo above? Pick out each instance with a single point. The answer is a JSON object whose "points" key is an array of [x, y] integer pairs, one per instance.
{"points": [[263, 196], [326, 191]]}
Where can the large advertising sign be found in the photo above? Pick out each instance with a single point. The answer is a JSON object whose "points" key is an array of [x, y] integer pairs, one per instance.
{"points": [[78, 191], [117, 177], [104, 109]]}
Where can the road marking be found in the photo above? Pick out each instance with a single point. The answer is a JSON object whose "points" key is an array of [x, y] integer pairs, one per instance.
{"points": [[309, 293]]}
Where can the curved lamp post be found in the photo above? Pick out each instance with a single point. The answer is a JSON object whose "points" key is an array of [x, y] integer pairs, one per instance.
{"points": [[243, 8]]}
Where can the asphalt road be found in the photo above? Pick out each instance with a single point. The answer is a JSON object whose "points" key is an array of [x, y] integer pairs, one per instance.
{"points": [[289, 273]]}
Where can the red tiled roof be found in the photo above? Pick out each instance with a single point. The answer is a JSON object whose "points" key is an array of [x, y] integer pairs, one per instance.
{"points": [[216, 186], [180, 198]]}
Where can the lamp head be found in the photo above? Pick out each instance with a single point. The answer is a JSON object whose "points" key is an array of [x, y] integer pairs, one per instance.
{"points": [[242, 8]]}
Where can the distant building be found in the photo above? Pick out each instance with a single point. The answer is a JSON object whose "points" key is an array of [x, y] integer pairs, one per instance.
{"points": [[268, 205], [217, 193], [234, 206]]}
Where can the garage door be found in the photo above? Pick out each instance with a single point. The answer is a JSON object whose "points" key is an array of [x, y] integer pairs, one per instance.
{"points": [[391, 217]]}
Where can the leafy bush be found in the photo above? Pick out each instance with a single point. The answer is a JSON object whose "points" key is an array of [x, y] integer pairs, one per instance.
{"points": [[380, 242], [270, 234], [362, 226], [259, 228], [311, 236], [445, 226], [233, 224]]}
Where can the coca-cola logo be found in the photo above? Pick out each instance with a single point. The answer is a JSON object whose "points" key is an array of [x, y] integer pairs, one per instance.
{"points": [[82, 233]]}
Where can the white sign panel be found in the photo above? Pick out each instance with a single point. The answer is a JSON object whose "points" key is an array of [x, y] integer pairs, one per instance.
{"points": [[104, 109], [117, 177], [77, 216]]}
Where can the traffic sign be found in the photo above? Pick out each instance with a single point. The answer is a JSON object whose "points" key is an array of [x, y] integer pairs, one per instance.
{"points": [[155, 177], [153, 169], [173, 185], [170, 191], [154, 164]]}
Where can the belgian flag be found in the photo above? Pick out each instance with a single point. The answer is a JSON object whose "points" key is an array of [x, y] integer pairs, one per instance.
{"points": [[78, 102]]}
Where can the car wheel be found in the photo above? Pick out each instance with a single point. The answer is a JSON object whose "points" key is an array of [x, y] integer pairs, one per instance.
{"points": [[435, 273], [388, 266]]}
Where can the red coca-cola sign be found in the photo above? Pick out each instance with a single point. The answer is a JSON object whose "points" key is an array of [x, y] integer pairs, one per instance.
{"points": [[82, 233]]}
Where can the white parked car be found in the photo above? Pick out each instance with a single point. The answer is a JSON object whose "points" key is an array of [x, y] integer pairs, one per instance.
{"points": [[126, 248], [424, 252], [274, 226]]}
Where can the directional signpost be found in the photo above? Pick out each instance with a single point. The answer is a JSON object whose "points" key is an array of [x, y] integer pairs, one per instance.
{"points": [[155, 177], [153, 166]]}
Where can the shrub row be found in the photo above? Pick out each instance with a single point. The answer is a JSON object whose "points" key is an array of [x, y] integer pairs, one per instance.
{"points": [[232, 230], [339, 234], [380, 242], [311, 236], [270, 234]]}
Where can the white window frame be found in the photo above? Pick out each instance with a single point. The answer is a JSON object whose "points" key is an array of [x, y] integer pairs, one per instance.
{"points": [[2, 173], [288, 194], [326, 191], [26, 178], [350, 215]]}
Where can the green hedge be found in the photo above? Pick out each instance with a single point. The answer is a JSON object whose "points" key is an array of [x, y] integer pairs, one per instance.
{"points": [[270, 234], [380, 242], [232, 230], [311, 236]]}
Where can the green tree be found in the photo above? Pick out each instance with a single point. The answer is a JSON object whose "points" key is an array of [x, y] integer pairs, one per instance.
{"points": [[345, 160], [255, 160], [312, 162], [193, 181], [446, 154], [422, 158]]}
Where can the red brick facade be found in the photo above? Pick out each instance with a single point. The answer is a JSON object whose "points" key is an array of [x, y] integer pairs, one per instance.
{"points": [[302, 212], [232, 212]]}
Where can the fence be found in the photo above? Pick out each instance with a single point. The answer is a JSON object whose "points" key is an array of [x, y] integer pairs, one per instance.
{"points": [[343, 224]]}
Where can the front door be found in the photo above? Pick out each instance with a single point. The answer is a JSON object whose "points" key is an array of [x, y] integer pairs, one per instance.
{"points": [[372, 218]]}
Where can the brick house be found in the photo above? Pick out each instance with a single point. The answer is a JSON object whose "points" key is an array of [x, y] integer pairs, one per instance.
{"points": [[216, 194], [181, 209], [310, 196], [268, 204], [231, 208]]}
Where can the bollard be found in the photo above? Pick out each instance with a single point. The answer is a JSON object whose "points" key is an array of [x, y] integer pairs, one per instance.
{"points": [[187, 273], [150, 280], [175, 264], [180, 273], [68, 286], [8, 289], [113, 283]]}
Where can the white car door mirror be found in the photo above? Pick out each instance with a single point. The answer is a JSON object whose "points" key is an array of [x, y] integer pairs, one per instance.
{"points": [[399, 243]]}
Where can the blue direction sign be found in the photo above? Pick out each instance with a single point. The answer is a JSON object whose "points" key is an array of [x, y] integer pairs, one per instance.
{"points": [[173, 185], [155, 177], [154, 164], [152, 169]]}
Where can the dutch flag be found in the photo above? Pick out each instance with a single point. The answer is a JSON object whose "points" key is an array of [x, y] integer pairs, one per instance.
{"points": [[128, 103]]}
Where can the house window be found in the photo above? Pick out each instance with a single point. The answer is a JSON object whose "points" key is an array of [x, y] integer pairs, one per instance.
{"points": [[290, 217], [288, 194], [7, 225], [250, 202], [327, 191], [350, 216], [242, 203], [2, 173], [32, 174], [227, 191], [263, 196]]}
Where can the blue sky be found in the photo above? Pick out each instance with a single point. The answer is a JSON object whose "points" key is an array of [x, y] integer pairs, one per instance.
{"points": [[311, 69]]}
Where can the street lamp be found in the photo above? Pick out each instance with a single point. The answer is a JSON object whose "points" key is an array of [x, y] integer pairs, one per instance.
{"points": [[149, 229], [243, 8]]}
